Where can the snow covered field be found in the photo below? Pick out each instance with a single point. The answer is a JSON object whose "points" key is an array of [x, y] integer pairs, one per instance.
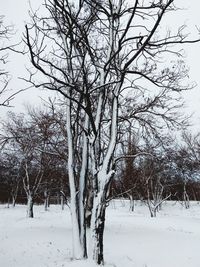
{"points": [[131, 239]]}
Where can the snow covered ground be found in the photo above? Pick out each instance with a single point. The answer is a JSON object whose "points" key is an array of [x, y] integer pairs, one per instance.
{"points": [[131, 239]]}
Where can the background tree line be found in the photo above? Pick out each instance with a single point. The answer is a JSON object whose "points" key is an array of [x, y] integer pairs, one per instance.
{"points": [[33, 166]]}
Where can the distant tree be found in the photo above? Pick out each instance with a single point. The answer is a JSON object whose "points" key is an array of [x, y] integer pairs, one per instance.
{"points": [[129, 173], [153, 182], [10, 173], [23, 137], [34, 135], [53, 165], [187, 165]]}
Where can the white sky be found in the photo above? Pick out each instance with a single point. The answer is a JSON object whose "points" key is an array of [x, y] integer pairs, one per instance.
{"points": [[16, 13]]}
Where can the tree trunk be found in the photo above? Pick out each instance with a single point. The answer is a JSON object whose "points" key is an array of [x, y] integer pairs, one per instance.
{"points": [[101, 184], [13, 201], [151, 209], [58, 198], [79, 249], [154, 212], [132, 206], [62, 202], [46, 200], [30, 207], [89, 205], [186, 197], [97, 229], [14, 194], [82, 189], [8, 203]]}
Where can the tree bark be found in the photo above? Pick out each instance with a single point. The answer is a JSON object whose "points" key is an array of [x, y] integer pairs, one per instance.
{"points": [[97, 229], [46, 200], [30, 206], [62, 202], [132, 206], [79, 249], [13, 201]]}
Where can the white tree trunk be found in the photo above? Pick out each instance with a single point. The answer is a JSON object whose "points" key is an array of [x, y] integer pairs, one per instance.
{"points": [[30, 206], [13, 201], [101, 185], [186, 197], [78, 250], [82, 186], [46, 200], [62, 202], [131, 202]]}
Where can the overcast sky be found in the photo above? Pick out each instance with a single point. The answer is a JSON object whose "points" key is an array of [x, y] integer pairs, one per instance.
{"points": [[16, 13]]}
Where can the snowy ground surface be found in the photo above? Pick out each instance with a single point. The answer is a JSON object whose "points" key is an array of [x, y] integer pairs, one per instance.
{"points": [[131, 239]]}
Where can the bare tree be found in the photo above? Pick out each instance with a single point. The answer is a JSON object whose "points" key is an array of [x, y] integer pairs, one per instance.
{"points": [[153, 181], [10, 175], [96, 54], [186, 160], [24, 139]]}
